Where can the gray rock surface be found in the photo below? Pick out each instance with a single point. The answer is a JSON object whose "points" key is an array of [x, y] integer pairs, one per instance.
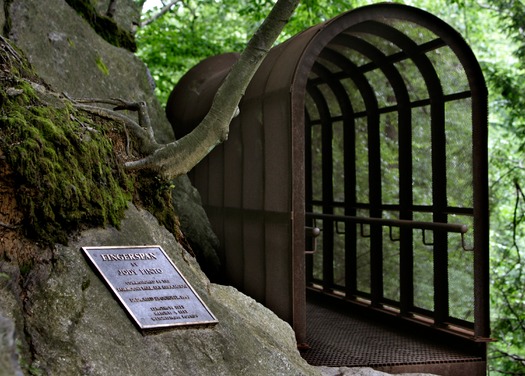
{"points": [[76, 327], [126, 14], [8, 353], [70, 56]]}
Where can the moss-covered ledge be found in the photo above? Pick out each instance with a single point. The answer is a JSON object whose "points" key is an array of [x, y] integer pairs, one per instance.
{"points": [[67, 163]]}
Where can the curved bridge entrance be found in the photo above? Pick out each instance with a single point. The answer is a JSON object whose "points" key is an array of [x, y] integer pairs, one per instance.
{"points": [[356, 174]]}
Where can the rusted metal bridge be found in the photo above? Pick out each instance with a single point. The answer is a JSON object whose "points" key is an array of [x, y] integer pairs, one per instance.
{"points": [[352, 195]]}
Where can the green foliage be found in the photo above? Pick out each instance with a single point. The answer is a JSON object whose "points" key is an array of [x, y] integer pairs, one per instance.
{"points": [[196, 29], [66, 171], [508, 252]]}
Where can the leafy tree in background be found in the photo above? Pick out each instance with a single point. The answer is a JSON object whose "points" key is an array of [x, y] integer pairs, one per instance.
{"points": [[195, 29], [507, 86], [189, 33], [494, 29]]}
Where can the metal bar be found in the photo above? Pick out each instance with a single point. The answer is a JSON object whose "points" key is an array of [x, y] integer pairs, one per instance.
{"points": [[481, 194], [439, 189], [385, 63], [404, 139], [414, 209], [309, 265], [391, 234], [402, 223], [312, 233], [439, 176], [402, 55], [414, 104], [350, 196], [351, 70], [375, 198], [347, 119], [327, 186], [439, 195]]}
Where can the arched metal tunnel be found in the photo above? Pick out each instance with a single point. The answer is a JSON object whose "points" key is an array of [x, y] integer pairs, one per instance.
{"points": [[372, 127]]}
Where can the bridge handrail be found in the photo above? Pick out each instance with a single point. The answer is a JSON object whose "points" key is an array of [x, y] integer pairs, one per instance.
{"points": [[435, 226]]}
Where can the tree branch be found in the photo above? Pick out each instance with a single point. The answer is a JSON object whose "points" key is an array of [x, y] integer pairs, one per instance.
{"points": [[510, 307], [179, 157], [165, 9], [514, 357]]}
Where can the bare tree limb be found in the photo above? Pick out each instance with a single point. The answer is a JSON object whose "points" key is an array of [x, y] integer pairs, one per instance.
{"points": [[165, 9], [179, 157], [143, 131], [514, 357]]}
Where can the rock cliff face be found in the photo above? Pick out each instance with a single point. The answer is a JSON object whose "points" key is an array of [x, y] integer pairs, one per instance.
{"points": [[70, 324]]}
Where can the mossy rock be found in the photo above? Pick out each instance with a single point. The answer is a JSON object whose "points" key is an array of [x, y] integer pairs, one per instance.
{"points": [[65, 165], [68, 164]]}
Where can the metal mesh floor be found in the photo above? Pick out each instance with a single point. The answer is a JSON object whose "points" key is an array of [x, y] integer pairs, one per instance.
{"points": [[337, 339]]}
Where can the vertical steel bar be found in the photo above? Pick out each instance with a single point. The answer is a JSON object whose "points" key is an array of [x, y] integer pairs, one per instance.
{"points": [[327, 186], [439, 197], [309, 267], [406, 257], [374, 176], [481, 194], [349, 183], [350, 200], [328, 198], [439, 190], [375, 197]]}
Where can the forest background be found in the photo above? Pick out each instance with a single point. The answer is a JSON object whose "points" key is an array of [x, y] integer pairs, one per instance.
{"points": [[176, 35]]}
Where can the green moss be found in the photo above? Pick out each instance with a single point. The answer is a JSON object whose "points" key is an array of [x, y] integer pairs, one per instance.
{"points": [[67, 173], [153, 192], [102, 67]]}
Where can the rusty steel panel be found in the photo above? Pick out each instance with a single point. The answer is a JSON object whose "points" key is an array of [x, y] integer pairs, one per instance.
{"points": [[252, 175], [191, 98], [215, 172], [255, 187]]}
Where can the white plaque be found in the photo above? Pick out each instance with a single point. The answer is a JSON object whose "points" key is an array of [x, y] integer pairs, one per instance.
{"points": [[149, 286]]}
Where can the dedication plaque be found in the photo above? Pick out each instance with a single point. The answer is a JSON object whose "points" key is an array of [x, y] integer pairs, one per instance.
{"points": [[150, 286]]}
